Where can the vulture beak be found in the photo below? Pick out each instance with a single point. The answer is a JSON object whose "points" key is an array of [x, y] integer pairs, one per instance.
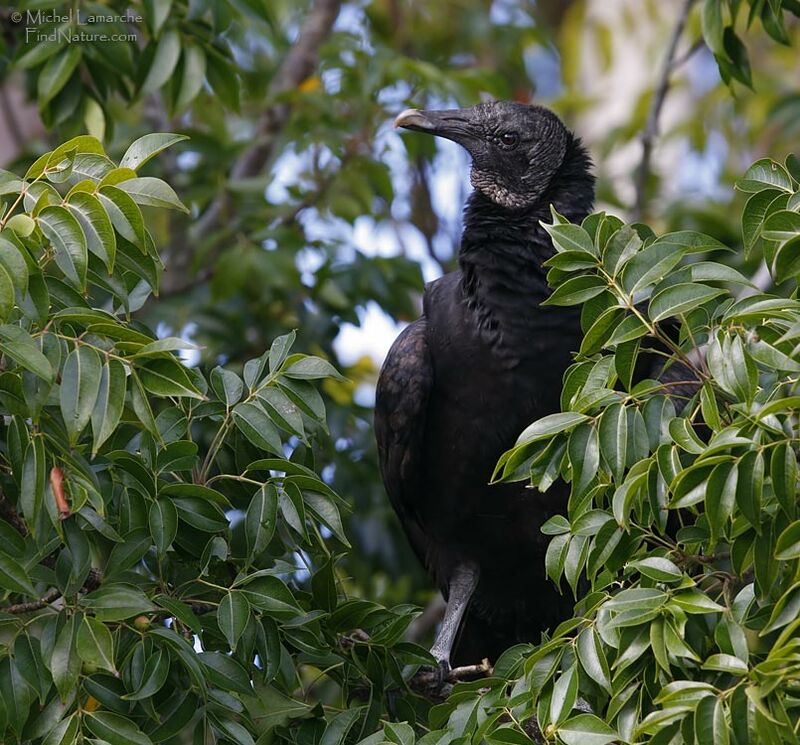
{"points": [[452, 124]]}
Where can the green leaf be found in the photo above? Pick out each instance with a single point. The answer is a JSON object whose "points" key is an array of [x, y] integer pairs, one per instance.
{"points": [[600, 330], [754, 214], [565, 693], [193, 75], [23, 225], [282, 410], [96, 226], [783, 471], [650, 266], [680, 298], [168, 50], [227, 385], [18, 344], [279, 351], [65, 665], [6, 294], [226, 673], [126, 217], [153, 676], [593, 658], [712, 26], [750, 486], [658, 568], [570, 238], [737, 64], [256, 426], [765, 174], [152, 192], [13, 576], [710, 727], [694, 601], [80, 386], [13, 261], [95, 644], [232, 616], [786, 610], [725, 663], [148, 146], [586, 729], [584, 456], [114, 728], [576, 290], [788, 544], [108, 406], [116, 602], [163, 521], [65, 234], [782, 225], [720, 498], [623, 246], [311, 368], [786, 263], [271, 595], [550, 425], [613, 432], [166, 376], [64, 733], [223, 79], [260, 519], [168, 344], [181, 611], [56, 73]]}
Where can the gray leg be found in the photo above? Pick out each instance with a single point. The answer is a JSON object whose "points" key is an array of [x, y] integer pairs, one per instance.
{"points": [[462, 585]]}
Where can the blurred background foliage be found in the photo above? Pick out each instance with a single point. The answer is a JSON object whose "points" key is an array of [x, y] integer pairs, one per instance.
{"points": [[308, 212]]}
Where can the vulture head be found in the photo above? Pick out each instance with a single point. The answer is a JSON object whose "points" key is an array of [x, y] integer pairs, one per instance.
{"points": [[517, 149]]}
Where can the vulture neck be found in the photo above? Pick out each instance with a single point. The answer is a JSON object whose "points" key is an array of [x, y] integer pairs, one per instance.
{"points": [[502, 251]]}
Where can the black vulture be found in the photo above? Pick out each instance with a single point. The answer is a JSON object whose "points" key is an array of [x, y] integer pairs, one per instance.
{"points": [[483, 361]]}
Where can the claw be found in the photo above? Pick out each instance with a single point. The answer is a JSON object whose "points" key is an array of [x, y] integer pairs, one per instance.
{"points": [[442, 673]]}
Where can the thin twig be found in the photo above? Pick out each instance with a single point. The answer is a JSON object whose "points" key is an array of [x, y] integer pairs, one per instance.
{"points": [[92, 582], [457, 674], [651, 127], [49, 597]]}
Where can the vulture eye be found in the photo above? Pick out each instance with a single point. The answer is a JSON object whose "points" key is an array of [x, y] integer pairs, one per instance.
{"points": [[509, 139]]}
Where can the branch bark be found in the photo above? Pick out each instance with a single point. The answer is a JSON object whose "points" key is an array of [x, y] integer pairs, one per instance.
{"points": [[455, 675], [296, 66], [92, 583], [650, 132]]}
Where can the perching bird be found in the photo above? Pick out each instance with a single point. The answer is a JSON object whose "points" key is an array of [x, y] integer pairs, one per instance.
{"points": [[483, 361]]}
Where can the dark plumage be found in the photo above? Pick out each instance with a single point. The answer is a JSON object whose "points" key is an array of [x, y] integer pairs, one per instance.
{"points": [[482, 362]]}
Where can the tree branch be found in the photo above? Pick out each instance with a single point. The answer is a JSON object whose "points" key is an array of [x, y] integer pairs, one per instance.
{"points": [[296, 66], [651, 127], [92, 582], [426, 678], [11, 120]]}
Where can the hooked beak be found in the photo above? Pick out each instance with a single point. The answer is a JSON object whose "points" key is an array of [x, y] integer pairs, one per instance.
{"points": [[452, 124]]}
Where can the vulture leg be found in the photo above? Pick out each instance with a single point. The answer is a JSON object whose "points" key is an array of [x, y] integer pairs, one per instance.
{"points": [[462, 584]]}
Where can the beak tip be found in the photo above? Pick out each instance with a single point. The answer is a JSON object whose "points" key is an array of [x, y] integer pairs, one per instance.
{"points": [[411, 118]]}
